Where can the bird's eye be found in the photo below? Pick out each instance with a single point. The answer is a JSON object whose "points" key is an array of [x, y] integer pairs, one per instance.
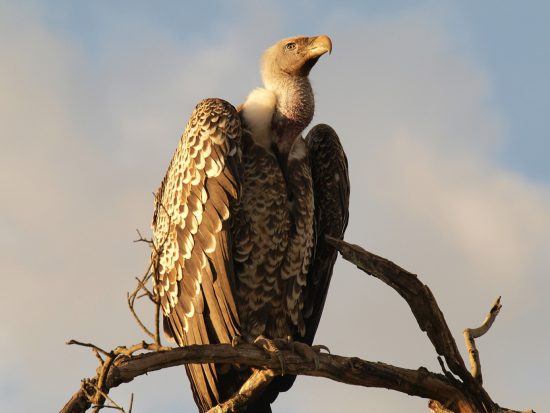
{"points": [[290, 46]]}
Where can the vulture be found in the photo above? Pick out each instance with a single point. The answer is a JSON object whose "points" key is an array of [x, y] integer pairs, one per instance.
{"points": [[240, 222]]}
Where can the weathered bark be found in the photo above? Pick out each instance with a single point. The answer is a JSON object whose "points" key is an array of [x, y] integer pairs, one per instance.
{"points": [[470, 334], [457, 390], [248, 392], [350, 370]]}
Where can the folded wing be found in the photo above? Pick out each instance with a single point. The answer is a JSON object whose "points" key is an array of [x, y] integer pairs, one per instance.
{"points": [[192, 260], [329, 169]]}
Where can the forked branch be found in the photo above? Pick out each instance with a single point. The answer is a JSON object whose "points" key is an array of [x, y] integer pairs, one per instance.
{"points": [[418, 295], [350, 370], [430, 320], [249, 391], [457, 390]]}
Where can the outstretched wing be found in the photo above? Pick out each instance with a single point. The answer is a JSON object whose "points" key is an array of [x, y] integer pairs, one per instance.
{"points": [[193, 265], [329, 169]]}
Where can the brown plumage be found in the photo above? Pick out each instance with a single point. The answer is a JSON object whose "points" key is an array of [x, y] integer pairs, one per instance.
{"points": [[240, 220]]}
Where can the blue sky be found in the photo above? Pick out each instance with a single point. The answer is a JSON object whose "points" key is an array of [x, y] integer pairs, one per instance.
{"points": [[442, 109], [507, 38]]}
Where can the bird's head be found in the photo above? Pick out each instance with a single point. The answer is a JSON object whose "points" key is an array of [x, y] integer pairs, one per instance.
{"points": [[293, 57]]}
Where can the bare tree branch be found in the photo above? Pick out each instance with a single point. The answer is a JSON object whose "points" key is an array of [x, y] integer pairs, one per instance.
{"points": [[90, 345], [470, 334], [418, 295], [350, 370], [248, 392], [131, 299], [455, 391], [420, 382], [425, 309]]}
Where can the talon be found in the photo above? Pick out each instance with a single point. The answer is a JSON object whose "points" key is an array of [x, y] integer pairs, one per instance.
{"points": [[319, 347], [236, 340], [279, 356], [273, 348], [283, 343], [310, 353]]}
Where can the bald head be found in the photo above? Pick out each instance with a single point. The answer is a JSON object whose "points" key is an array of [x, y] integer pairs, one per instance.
{"points": [[278, 114], [293, 57]]}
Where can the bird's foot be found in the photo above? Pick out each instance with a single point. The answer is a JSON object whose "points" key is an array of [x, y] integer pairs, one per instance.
{"points": [[236, 340], [310, 353], [273, 347]]}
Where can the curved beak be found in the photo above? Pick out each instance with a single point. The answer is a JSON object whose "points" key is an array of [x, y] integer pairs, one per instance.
{"points": [[319, 45]]}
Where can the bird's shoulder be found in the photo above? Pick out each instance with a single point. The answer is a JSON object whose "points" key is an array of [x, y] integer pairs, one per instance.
{"points": [[203, 170]]}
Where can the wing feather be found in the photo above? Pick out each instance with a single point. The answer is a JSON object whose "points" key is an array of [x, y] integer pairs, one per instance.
{"points": [[193, 267], [329, 169], [329, 174]]}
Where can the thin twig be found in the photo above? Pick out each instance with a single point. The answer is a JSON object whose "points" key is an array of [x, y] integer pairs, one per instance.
{"points": [[100, 405], [129, 351], [131, 403], [141, 290], [155, 264], [142, 239], [90, 345], [157, 322], [100, 395], [136, 317]]}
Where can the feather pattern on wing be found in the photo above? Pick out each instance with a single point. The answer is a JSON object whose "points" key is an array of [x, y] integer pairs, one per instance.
{"points": [[329, 174], [297, 258], [329, 168], [192, 260], [261, 239]]}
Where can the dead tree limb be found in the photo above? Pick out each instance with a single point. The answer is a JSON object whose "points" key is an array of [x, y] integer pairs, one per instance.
{"points": [[350, 370], [457, 390], [249, 391], [428, 315], [470, 334], [418, 295]]}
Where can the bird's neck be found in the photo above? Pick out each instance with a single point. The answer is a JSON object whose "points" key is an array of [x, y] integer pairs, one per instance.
{"points": [[293, 112], [295, 103]]}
